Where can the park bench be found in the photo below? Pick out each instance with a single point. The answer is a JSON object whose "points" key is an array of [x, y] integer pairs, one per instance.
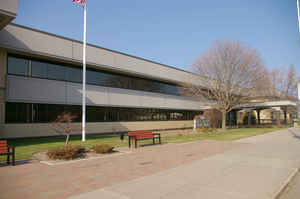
{"points": [[8, 151], [142, 135]]}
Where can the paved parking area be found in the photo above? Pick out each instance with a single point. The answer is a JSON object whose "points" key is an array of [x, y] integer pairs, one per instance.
{"points": [[36, 180]]}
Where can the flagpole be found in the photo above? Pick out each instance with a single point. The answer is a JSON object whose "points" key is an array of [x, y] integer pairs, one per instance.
{"points": [[298, 10], [83, 75]]}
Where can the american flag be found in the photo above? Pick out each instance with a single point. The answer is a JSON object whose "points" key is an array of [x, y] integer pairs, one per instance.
{"points": [[82, 2]]}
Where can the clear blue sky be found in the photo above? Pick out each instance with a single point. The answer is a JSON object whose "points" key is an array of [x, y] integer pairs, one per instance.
{"points": [[173, 32]]}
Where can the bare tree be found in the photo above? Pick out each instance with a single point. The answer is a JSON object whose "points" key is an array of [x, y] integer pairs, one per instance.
{"points": [[283, 85], [64, 125], [287, 84], [214, 116], [280, 84], [230, 72]]}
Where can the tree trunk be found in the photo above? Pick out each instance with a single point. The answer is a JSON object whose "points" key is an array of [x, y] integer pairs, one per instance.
{"points": [[249, 118], [67, 139], [223, 120]]}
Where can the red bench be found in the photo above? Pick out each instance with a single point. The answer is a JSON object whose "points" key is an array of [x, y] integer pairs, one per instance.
{"points": [[8, 151], [142, 135]]}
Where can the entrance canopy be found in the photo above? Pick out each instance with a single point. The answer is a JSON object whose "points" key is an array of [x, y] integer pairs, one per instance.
{"points": [[286, 106], [266, 105]]}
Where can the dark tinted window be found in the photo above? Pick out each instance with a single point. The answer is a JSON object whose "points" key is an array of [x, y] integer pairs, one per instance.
{"points": [[18, 113], [17, 66], [53, 111], [42, 69], [56, 72], [170, 89], [117, 81], [141, 84], [154, 87], [92, 78], [39, 69], [74, 75], [75, 110], [95, 114], [40, 113]]}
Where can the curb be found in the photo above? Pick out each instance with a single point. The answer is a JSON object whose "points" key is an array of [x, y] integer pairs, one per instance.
{"points": [[285, 184]]}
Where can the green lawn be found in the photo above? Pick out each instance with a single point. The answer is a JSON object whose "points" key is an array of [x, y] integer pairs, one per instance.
{"points": [[26, 147], [228, 135]]}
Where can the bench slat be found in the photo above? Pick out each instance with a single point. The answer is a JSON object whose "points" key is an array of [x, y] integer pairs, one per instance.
{"points": [[139, 132], [4, 151], [3, 146], [141, 135]]}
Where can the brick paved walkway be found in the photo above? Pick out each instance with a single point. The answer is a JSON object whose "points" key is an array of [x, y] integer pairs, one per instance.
{"points": [[37, 180]]}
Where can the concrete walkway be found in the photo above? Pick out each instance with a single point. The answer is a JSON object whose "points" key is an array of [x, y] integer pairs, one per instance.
{"points": [[43, 181], [292, 191], [259, 169]]}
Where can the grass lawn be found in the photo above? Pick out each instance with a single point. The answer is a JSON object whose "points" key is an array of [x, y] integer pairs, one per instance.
{"points": [[228, 135], [26, 147]]}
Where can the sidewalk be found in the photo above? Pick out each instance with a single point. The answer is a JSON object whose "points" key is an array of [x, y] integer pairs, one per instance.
{"points": [[44, 181], [259, 169], [292, 191]]}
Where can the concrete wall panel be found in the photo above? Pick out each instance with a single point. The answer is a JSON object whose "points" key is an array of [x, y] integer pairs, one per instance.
{"points": [[94, 55], [74, 93], [51, 91], [123, 97], [26, 39], [35, 90], [154, 100], [98, 55], [97, 95], [10, 6], [3, 58], [38, 130]]}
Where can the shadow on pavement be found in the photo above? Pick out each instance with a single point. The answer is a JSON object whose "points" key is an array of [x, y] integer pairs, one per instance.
{"points": [[294, 134]]}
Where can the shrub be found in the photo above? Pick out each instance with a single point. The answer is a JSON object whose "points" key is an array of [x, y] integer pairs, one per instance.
{"points": [[209, 130], [267, 126], [103, 148], [66, 153]]}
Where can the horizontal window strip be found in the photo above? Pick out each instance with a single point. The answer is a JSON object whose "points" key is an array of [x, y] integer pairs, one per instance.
{"points": [[16, 112], [24, 66]]}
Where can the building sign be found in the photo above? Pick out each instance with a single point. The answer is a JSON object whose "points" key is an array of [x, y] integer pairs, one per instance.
{"points": [[201, 123]]}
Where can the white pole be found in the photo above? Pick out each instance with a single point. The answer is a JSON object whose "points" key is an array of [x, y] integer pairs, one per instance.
{"points": [[298, 10], [298, 91], [83, 75]]}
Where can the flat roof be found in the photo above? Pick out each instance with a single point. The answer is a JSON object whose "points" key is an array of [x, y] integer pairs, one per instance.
{"points": [[267, 104], [100, 47]]}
